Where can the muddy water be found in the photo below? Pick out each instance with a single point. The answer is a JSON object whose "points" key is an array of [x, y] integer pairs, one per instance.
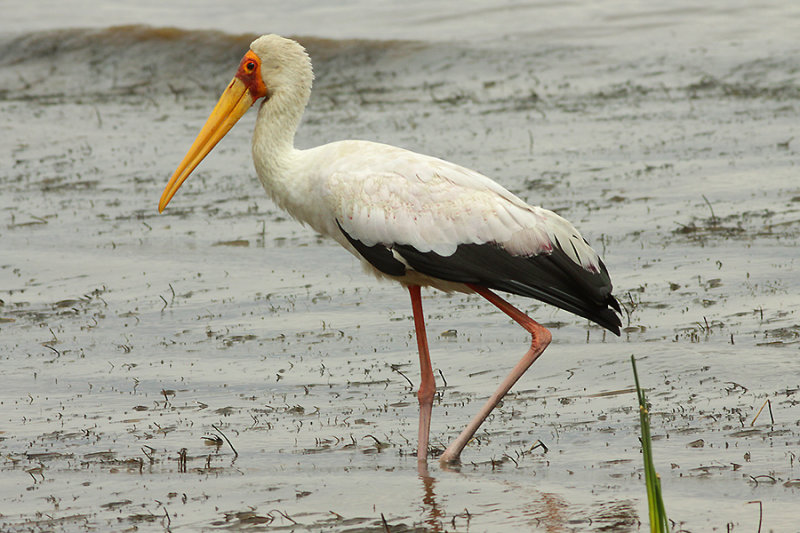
{"points": [[220, 366]]}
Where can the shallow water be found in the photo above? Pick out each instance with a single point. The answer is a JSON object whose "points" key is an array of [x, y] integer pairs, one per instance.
{"points": [[126, 336]]}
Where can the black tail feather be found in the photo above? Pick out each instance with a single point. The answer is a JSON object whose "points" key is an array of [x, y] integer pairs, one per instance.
{"points": [[552, 278]]}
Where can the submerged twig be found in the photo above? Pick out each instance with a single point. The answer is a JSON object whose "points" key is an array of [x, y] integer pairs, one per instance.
{"points": [[766, 403], [58, 354], [378, 444], [235, 453], [538, 444], [182, 460], [410, 384], [760, 513], [148, 453], [713, 216], [283, 514]]}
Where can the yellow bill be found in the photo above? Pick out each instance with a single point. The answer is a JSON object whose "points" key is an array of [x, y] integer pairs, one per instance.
{"points": [[233, 103]]}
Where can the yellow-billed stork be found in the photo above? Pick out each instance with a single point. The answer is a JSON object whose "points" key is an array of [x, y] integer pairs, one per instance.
{"points": [[408, 217]]}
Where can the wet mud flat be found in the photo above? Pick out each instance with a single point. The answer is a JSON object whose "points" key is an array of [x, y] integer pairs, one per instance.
{"points": [[221, 367]]}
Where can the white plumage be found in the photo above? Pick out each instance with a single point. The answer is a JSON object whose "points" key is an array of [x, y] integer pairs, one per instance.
{"points": [[409, 217], [382, 194]]}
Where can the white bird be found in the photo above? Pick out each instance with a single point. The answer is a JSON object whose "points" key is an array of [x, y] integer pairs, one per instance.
{"points": [[408, 217]]}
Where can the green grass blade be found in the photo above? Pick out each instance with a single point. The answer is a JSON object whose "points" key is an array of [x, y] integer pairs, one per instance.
{"points": [[655, 503]]}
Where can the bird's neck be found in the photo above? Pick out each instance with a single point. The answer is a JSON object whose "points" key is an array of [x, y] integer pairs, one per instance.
{"points": [[273, 138], [287, 174]]}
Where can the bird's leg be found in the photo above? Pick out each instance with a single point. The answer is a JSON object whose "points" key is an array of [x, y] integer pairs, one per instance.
{"points": [[540, 339], [427, 386]]}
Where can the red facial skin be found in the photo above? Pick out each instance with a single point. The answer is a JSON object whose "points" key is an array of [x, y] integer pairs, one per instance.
{"points": [[249, 73]]}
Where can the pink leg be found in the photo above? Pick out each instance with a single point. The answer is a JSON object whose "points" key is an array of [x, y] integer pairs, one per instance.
{"points": [[427, 387], [540, 339]]}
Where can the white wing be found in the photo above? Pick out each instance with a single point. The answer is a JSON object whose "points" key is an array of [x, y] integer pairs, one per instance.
{"points": [[381, 194]]}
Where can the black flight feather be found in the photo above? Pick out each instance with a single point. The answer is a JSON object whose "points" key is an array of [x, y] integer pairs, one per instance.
{"points": [[551, 277]]}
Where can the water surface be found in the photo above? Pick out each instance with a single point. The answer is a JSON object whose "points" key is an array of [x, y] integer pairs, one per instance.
{"points": [[666, 135]]}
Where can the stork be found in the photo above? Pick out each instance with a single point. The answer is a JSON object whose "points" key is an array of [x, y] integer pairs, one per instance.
{"points": [[412, 218]]}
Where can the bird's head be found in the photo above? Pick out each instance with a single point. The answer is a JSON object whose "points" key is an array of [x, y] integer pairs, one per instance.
{"points": [[274, 65]]}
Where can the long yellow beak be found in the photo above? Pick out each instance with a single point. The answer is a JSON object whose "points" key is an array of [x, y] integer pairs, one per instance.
{"points": [[233, 103]]}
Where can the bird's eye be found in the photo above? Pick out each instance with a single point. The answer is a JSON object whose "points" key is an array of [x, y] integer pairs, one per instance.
{"points": [[250, 66]]}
